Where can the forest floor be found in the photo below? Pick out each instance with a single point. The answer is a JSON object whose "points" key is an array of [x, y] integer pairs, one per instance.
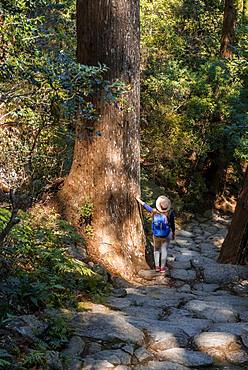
{"points": [[195, 316]]}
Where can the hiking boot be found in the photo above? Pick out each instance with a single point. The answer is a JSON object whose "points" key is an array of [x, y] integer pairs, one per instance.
{"points": [[163, 270], [157, 269]]}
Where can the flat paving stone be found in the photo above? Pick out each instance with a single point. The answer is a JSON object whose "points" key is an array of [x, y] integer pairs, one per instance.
{"points": [[92, 364], [185, 357], [115, 357], [237, 328], [203, 287], [161, 365], [237, 357], [142, 354], [161, 340], [185, 275], [192, 326], [209, 340], [212, 310], [97, 326]]}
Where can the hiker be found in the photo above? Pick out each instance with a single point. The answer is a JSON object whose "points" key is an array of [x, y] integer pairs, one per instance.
{"points": [[163, 229]]}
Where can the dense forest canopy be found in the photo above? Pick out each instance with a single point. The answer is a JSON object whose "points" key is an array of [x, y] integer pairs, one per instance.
{"points": [[193, 100]]}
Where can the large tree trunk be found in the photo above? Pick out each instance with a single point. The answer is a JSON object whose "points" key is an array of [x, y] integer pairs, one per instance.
{"points": [[228, 31], [235, 246], [105, 169]]}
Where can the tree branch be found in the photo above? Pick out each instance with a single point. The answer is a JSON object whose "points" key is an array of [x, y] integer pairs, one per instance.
{"points": [[12, 221]]}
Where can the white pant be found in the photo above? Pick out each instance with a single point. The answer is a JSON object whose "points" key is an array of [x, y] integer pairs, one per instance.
{"points": [[160, 248]]}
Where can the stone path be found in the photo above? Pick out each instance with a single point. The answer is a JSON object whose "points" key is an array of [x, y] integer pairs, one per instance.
{"points": [[195, 317], [199, 321]]}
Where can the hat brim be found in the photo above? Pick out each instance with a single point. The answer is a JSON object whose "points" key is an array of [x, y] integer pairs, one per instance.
{"points": [[158, 205]]}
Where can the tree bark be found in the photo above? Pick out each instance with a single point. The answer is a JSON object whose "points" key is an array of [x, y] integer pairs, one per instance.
{"points": [[105, 169], [235, 247], [215, 174], [228, 30]]}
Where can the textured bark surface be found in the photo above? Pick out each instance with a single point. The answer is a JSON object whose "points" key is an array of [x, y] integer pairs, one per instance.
{"points": [[228, 31], [235, 246], [105, 167]]}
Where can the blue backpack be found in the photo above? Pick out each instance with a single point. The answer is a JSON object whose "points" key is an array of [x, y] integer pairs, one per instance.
{"points": [[160, 226]]}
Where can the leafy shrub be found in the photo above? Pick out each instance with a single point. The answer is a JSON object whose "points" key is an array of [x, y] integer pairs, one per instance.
{"points": [[41, 272]]}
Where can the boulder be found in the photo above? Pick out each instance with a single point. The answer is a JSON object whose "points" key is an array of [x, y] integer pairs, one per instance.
{"points": [[105, 326], [75, 347], [114, 356], [212, 310], [186, 357], [185, 275], [221, 346], [161, 365], [142, 354], [162, 340]]}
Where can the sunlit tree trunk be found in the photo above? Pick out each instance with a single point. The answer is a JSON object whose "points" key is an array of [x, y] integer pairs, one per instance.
{"points": [[235, 246], [228, 30], [106, 169]]}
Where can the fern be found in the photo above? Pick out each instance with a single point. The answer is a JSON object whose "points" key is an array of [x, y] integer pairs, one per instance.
{"points": [[35, 358]]}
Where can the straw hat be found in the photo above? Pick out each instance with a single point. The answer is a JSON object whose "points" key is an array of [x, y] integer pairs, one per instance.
{"points": [[163, 203]]}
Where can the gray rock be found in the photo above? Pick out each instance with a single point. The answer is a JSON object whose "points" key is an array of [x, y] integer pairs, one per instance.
{"points": [[189, 253], [206, 287], [184, 233], [183, 258], [242, 272], [220, 274], [162, 340], [244, 339], [239, 304], [91, 364], [215, 340], [185, 275], [115, 357], [237, 357], [119, 292], [191, 326], [209, 250], [161, 365], [148, 274], [53, 361], [129, 348], [28, 326], [185, 288], [185, 357], [212, 310], [181, 264], [241, 287], [94, 348], [75, 364], [237, 328], [142, 354], [208, 213], [75, 347], [221, 346], [107, 327], [183, 242]]}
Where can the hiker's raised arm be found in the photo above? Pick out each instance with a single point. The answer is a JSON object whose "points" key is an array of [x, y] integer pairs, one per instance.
{"points": [[146, 206], [140, 201]]}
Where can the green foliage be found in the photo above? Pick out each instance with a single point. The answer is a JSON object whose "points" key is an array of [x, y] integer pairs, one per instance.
{"points": [[87, 210], [4, 358], [44, 91], [40, 271], [35, 357], [58, 333], [193, 102], [86, 216]]}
